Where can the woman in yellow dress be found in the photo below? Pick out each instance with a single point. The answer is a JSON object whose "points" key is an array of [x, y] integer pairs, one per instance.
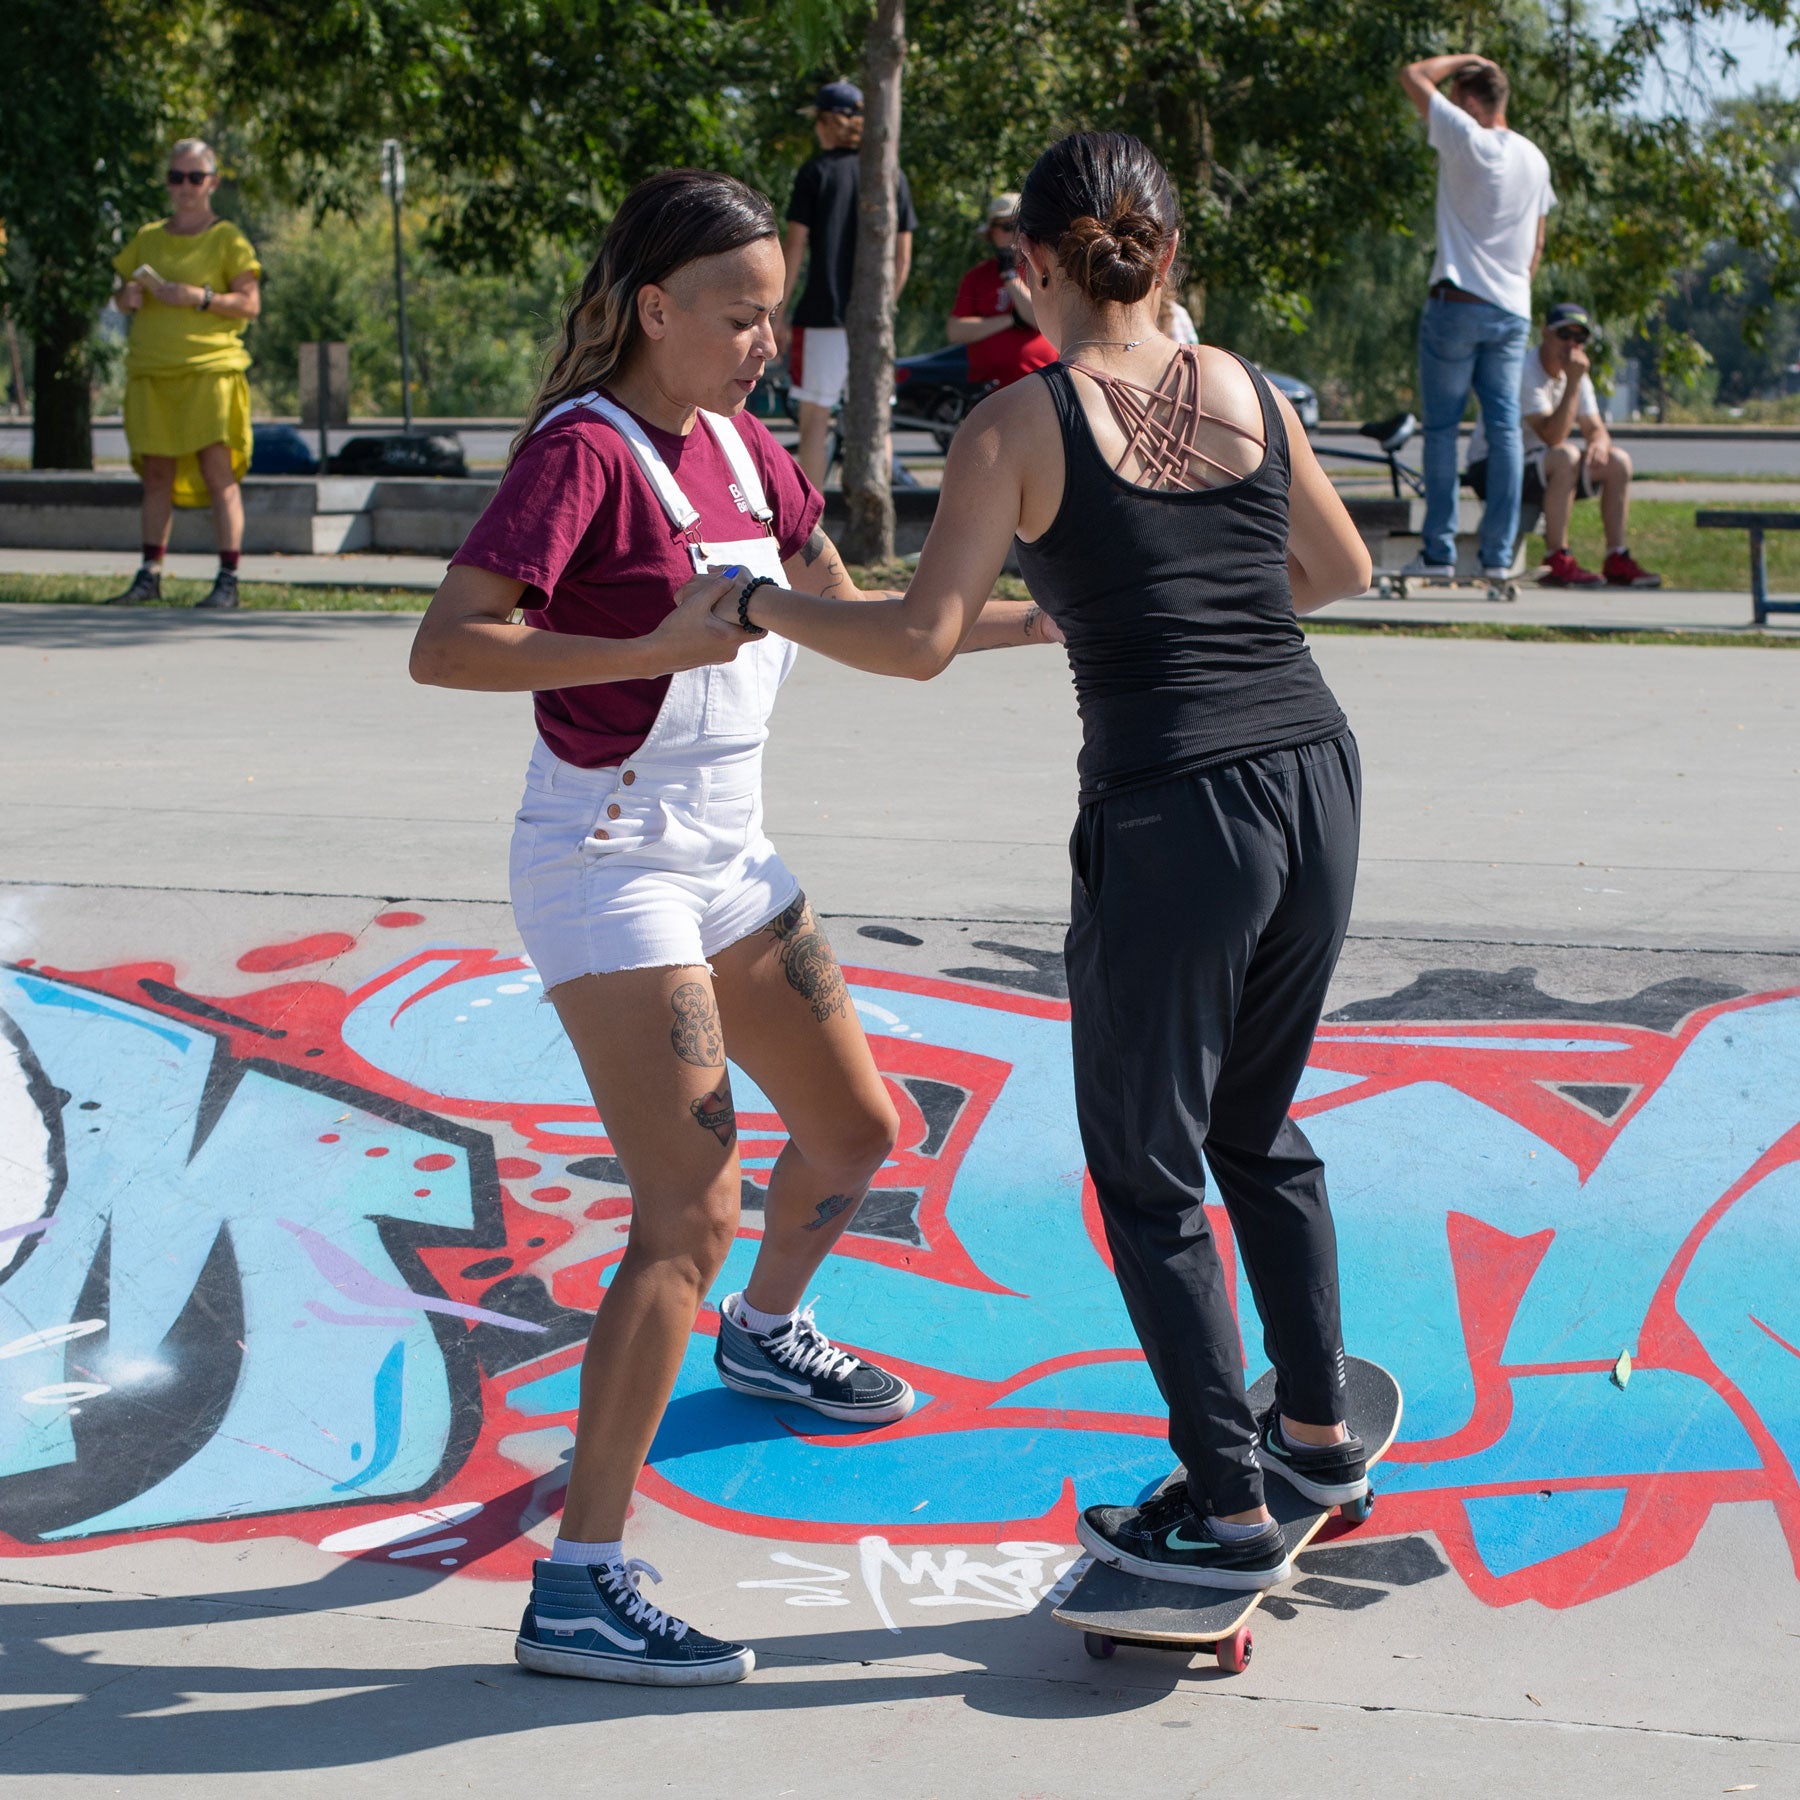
{"points": [[191, 286]]}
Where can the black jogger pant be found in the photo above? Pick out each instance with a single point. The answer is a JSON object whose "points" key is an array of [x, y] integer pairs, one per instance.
{"points": [[1207, 916]]}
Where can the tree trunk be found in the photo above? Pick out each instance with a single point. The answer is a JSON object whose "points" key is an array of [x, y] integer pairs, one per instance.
{"points": [[62, 406], [868, 468]]}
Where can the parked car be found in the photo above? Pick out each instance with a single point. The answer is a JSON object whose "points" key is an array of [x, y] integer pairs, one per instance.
{"points": [[1299, 394]]}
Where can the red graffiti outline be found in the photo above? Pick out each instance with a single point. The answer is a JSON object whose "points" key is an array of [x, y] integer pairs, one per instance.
{"points": [[1662, 1513]]}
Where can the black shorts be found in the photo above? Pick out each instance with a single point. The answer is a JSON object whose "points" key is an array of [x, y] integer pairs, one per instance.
{"points": [[1531, 487]]}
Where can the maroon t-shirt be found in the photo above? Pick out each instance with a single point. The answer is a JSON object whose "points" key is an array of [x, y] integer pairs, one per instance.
{"points": [[1008, 354], [578, 522]]}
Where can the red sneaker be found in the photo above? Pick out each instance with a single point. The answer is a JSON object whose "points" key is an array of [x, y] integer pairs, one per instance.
{"points": [[1622, 571], [1562, 570]]}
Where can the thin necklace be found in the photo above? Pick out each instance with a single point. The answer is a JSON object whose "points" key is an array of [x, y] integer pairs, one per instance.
{"points": [[1103, 344]]}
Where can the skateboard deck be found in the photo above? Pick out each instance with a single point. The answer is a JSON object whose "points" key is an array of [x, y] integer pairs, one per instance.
{"points": [[1405, 587], [1112, 1607]]}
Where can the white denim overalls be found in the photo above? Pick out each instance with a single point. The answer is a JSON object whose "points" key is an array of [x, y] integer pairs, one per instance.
{"points": [[662, 860]]}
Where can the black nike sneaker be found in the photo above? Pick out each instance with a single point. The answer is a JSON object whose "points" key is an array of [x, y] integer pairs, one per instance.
{"points": [[1329, 1474], [1166, 1540]]}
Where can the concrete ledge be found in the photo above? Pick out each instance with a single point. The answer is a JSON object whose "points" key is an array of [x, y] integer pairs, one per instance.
{"points": [[297, 514]]}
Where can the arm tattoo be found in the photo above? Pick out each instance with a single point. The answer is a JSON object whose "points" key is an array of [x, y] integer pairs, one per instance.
{"points": [[1029, 624], [828, 1209], [714, 1112], [837, 584], [806, 960], [696, 1034], [814, 547]]}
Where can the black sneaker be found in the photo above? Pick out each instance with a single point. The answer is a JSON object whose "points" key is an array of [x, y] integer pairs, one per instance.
{"points": [[800, 1363], [1330, 1474], [146, 587], [1165, 1540], [593, 1622], [223, 596]]}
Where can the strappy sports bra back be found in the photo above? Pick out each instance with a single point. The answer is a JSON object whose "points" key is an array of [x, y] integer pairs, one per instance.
{"points": [[1174, 599], [1162, 425]]}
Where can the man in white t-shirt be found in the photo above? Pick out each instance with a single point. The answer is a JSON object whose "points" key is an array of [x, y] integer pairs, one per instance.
{"points": [[1556, 397], [1493, 196]]}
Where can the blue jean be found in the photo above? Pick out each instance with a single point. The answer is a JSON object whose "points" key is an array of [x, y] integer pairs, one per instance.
{"points": [[1464, 344]]}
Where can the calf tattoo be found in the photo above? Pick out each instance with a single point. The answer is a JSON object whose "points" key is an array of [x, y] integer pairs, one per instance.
{"points": [[806, 960], [714, 1112], [829, 1208], [696, 1034]]}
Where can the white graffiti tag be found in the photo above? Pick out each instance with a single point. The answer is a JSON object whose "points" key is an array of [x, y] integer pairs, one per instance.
{"points": [[1027, 1574]]}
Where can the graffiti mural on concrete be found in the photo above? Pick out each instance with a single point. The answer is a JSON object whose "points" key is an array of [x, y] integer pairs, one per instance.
{"points": [[320, 1261]]}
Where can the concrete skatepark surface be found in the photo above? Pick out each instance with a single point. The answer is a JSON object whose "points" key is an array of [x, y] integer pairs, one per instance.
{"points": [[305, 1212]]}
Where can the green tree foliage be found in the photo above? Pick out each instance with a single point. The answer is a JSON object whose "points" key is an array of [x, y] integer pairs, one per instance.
{"points": [[94, 91], [476, 338], [1304, 177], [1676, 227]]}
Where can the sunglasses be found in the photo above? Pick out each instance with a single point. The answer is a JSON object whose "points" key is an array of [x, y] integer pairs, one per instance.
{"points": [[197, 176], [1572, 334]]}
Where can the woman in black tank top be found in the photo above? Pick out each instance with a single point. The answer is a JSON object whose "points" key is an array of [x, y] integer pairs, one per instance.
{"points": [[1172, 520]]}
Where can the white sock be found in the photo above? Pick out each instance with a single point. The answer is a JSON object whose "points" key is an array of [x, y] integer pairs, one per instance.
{"points": [[1615, 550], [1294, 1443], [572, 1550], [761, 1322], [1233, 1534]]}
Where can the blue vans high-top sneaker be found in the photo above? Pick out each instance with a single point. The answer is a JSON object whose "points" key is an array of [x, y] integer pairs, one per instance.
{"points": [[591, 1621], [801, 1364]]}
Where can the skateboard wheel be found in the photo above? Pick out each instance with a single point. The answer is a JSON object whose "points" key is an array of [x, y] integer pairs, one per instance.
{"points": [[1098, 1645], [1355, 1512], [1234, 1652]]}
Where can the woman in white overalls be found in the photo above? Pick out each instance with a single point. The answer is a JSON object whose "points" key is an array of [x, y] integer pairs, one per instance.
{"points": [[662, 921]]}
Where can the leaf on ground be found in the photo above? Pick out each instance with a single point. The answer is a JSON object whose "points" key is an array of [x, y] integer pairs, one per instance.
{"points": [[1621, 1370], [1535, 1701]]}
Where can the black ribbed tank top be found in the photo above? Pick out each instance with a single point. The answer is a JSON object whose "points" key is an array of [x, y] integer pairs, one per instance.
{"points": [[1177, 610]]}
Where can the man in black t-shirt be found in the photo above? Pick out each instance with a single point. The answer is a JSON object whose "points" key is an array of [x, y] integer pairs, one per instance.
{"points": [[822, 218]]}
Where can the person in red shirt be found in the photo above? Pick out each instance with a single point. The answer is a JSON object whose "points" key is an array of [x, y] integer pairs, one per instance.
{"points": [[992, 311], [663, 924]]}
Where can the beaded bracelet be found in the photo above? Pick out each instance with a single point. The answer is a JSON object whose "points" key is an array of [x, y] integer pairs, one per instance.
{"points": [[761, 581]]}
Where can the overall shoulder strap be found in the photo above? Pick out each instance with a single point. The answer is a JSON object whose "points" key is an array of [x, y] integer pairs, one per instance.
{"points": [[743, 465], [674, 502]]}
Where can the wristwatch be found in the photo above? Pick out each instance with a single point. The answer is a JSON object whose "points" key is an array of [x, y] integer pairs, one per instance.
{"points": [[206, 300]]}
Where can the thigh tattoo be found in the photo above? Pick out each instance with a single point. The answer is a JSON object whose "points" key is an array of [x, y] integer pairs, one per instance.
{"points": [[806, 959], [714, 1112], [696, 1033]]}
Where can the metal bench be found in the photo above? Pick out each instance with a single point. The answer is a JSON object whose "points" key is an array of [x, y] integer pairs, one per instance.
{"points": [[1756, 523]]}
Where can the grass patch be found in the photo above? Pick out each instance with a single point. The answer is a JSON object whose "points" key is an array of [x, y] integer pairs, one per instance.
{"points": [[1556, 634], [1665, 538], [254, 596]]}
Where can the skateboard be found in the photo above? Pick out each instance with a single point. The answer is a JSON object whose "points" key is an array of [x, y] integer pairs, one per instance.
{"points": [[1110, 1607], [1403, 587]]}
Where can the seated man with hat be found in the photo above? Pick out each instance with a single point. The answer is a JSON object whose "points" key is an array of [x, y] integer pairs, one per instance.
{"points": [[1556, 399], [992, 311]]}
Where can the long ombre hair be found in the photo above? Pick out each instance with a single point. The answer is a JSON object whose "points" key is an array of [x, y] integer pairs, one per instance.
{"points": [[665, 223]]}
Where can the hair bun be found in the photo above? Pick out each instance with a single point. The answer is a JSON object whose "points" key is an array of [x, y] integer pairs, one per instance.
{"points": [[1114, 260]]}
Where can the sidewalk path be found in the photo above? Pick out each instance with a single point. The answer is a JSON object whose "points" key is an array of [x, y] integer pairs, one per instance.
{"points": [[1603, 608]]}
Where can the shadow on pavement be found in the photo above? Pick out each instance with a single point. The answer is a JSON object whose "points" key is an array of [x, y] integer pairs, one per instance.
{"points": [[83, 626], [193, 1717]]}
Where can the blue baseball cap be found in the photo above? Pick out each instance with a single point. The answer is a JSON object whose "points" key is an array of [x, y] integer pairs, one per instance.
{"points": [[838, 97]]}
